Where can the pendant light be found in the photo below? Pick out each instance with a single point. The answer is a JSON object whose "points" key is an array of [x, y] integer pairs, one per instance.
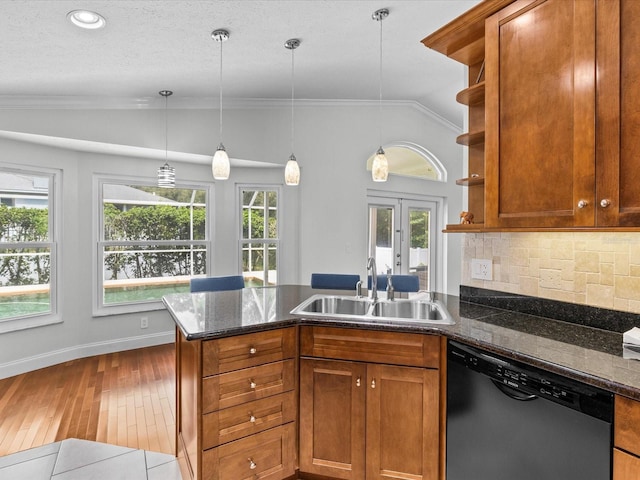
{"points": [[380, 166], [292, 170], [166, 173], [220, 165]]}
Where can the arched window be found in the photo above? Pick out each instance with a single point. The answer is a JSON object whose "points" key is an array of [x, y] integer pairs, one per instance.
{"points": [[412, 160]]}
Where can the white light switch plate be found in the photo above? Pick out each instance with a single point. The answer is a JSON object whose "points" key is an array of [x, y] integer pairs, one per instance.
{"points": [[481, 269]]}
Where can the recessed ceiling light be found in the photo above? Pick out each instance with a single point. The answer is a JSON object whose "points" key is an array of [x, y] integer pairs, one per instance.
{"points": [[86, 19]]}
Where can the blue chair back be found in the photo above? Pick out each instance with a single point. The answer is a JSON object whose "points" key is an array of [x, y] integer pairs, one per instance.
{"points": [[334, 281], [217, 284], [401, 283]]}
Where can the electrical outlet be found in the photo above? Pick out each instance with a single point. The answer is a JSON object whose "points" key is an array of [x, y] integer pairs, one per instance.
{"points": [[144, 322], [481, 269]]}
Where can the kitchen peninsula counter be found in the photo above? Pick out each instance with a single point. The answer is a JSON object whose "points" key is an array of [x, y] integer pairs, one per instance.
{"points": [[587, 354]]}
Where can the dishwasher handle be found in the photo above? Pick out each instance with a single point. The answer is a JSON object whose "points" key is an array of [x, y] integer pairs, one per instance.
{"points": [[513, 393]]}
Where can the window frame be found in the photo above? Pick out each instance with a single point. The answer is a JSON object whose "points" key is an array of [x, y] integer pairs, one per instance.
{"points": [[240, 187], [54, 206], [99, 307]]}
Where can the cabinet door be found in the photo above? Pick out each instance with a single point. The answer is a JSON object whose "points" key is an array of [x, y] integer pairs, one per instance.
{"points": [[540, 114], [402, 423], [332, 416], [627, 425], [618, 126], [625, 466]]}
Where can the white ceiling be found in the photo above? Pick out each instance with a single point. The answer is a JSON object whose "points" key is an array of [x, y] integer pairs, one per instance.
{"points": [[150, 45]]}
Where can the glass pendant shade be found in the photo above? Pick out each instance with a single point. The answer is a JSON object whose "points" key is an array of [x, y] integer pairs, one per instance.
{"points": [[292, 171], [167, 176], [380, 167], [220, 165]]}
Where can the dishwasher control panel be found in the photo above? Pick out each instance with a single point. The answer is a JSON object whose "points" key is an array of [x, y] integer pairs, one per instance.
{"points": [[531, 382]]}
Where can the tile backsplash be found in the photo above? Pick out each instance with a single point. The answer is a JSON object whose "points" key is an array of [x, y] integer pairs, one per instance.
{"points": [[590, 268]]}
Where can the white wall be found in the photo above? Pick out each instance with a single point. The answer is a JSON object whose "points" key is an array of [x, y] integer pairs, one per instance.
{"points": [[325, 218]]}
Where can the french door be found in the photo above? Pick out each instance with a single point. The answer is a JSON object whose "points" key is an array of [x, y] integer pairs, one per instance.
{"points": [[403, 238]]}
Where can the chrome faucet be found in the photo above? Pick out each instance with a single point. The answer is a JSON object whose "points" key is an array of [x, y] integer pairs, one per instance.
{"points": [[371, 265], [390, 290]]}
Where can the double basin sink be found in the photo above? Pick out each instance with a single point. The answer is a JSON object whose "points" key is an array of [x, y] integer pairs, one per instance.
{"points": [[416, 310]]}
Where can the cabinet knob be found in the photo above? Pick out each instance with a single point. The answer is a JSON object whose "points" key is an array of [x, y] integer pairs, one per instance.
{"points": [[253, 351], [252, 418], [358, 382], [373, 383], [605, 202], [582, 203], [253, 385], [252, 464]]}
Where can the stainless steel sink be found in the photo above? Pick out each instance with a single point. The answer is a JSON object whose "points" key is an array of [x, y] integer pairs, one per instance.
{"points": [[416, 310], [429, 311], [335, 305]]}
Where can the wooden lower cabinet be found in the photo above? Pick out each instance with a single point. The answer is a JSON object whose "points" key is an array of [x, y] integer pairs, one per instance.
{"points": [[237, 406], [332, 418], [403, 429], [372, 421], [625, 466], [269, 455], [626, 439]]}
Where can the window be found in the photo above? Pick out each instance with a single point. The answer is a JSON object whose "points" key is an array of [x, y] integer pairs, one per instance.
{"points": [[152, 240], [28, 241], [411, 160], [259, 237]]}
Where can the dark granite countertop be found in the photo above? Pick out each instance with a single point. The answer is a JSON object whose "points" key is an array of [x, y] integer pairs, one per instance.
{"points": [[585, 353]]}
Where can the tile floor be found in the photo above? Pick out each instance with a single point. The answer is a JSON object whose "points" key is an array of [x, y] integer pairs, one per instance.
{"points": [[75, 459]]}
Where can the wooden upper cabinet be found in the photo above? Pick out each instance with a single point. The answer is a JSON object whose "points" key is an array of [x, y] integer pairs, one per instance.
{"points": [[540, 114], [562, 114], [618, 106]]}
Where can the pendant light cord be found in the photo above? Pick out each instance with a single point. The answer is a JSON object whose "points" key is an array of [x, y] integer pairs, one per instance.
{"points": [[166, 130], [380, 85], [221, 92]]}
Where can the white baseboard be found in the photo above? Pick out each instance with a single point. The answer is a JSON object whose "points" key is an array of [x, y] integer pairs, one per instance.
{"points": [[43, 360]]}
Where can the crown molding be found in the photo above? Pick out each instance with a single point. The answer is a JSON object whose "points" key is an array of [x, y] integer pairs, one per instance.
{"points": [[69, 102]]}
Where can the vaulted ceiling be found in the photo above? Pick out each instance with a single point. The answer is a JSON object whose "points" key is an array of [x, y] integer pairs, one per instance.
{"points": [[150, 45]]}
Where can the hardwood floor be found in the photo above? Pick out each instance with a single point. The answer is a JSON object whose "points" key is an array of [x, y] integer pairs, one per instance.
{"points": [[124, 398]]}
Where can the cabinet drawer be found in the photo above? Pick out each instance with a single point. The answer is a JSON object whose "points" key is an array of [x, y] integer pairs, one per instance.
{"points": [[627, 425], [233, 388], [247, 419], [625, 466], [269, 455], [233, 353], [412, 349]]}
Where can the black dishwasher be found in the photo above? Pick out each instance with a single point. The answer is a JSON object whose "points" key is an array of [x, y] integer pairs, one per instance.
{"points": [[510, 421]]}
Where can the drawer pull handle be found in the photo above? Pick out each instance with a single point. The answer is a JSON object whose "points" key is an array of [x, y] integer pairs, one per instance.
{"points": [[252, 418], [253, 351], [605, 202], [582, 203], [358, 382], [253, 385], [373, 383], [252, 464]]}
